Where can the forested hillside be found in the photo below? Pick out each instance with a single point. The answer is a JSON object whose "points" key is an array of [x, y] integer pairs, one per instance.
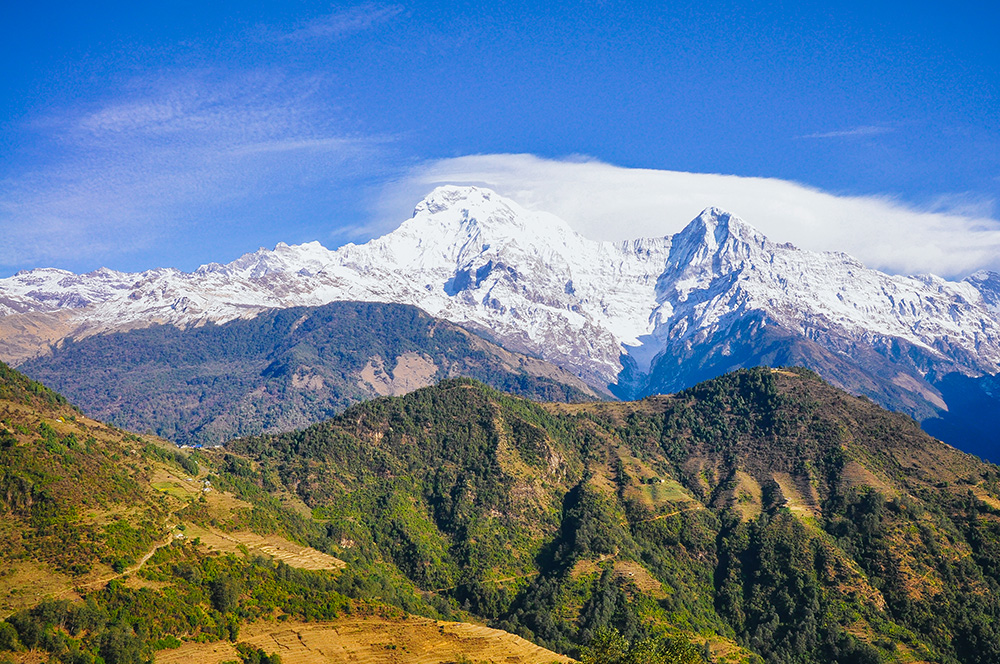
{"points": [[763, 508], [63, 477], [118, 548], [761, 516], [281, 370]]}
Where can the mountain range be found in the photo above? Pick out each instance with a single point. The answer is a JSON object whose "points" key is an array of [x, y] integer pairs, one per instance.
{"points": [[635, 317]]}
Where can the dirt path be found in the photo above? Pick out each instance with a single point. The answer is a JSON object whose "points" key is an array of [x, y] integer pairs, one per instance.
{"points": [[130, 570], [276, 547], [68, 588], [696, 506]]}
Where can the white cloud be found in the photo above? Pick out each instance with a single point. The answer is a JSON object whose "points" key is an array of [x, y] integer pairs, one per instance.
{"points": [[611, 203]]}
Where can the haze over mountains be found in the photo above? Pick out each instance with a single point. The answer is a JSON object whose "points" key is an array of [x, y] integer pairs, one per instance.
{"points": [[637, 317]]}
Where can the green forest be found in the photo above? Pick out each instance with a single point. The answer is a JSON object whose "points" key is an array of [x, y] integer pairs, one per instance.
{"points": [[763, 516]]}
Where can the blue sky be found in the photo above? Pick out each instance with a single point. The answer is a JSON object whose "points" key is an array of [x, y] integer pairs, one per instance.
{"points": [[135, 135]]}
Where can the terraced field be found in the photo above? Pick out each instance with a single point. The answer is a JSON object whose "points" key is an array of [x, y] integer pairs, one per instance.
{"points": [[372, 641], [273, 546]]}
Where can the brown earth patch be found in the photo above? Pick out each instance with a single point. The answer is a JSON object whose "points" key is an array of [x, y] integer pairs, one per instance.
{"points": [[703, 471], [747, 496], [412, 372], [307, 381], [184, 487], [29, 657], [138, 582], [528, 364], [292, 502], [856, 475], [908, 382], [725, 651], [28, 335], [616, 411], [981, 494], [801, 503], [629, 570], [584, 568], [26, 584]]}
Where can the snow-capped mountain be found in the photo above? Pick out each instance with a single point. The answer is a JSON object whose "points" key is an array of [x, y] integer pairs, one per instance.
{"points": [[528, 280], [988, 284]]}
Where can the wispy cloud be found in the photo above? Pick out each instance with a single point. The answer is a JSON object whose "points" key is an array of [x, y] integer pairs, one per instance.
{"points": [[169, 159], [340, 23], [605, 202], [975, 206], [854, 132]]}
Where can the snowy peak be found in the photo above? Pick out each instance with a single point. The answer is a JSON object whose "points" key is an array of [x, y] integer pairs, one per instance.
{"points": [[308, 258], [450, 196], [715, 235], [465, 212], [454, 228], [714, 246], [637, 316], [988, 285], [462, 222]]}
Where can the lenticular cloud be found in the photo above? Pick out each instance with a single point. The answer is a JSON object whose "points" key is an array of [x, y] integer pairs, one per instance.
{"points": [[606, 202]]}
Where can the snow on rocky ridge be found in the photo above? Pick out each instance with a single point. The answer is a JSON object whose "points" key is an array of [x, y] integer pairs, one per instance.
{"points": [[527, 279]]}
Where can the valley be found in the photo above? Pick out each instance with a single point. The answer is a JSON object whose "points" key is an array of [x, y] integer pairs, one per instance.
{"points": [[283, 369]]}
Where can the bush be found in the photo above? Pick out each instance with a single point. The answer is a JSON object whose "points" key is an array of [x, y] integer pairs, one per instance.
{"points": [[8, 637], [251, 655], [119, 645], [225, 593]]}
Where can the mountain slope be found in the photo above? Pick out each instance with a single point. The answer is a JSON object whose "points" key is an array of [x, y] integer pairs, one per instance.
{"points": [[638, 317], [763, 514], [115, 547], [764, 507], [62, 478], [280, 370]]}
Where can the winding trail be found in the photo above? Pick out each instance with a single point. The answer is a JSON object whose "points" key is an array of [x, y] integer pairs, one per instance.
{"points": [[130, 570]]}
